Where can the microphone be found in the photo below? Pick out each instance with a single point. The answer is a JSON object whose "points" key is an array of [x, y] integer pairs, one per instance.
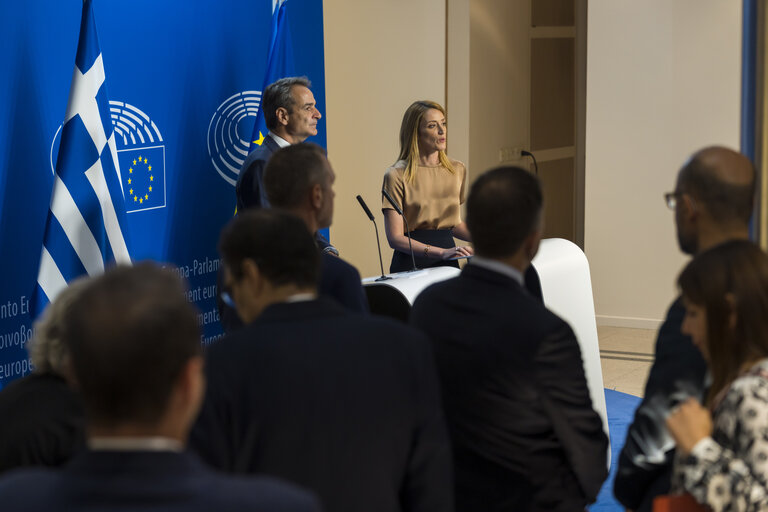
{"points": [[378, 244], [407, 229]]}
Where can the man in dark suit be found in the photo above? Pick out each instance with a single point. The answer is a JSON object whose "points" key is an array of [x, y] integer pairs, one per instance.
{"points": [[713, 202], [299, 179], [291, 116], [524, 433], [135, 353], [346, 405]]}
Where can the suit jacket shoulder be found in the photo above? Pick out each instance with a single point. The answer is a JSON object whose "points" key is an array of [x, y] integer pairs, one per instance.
{"points": [[249, 190], [313, 393], [341, 281], [510, 367], [147, 480]]}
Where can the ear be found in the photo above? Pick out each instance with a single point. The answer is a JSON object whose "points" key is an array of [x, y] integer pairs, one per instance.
{"points": [[532, 241], [190, 387], [250, 269], [531, 244], [690, 208], [316, 196], [282, 115]]}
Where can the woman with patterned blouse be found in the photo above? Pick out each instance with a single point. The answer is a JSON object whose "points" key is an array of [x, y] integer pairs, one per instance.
{"points": [[429, 189], [722, 449]]}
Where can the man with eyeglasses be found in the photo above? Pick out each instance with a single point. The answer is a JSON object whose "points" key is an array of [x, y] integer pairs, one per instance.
{"points": [[713, 202]]}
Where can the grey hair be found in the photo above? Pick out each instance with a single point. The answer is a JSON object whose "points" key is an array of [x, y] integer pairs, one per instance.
{"points": [[47, 348], [278, 94]]}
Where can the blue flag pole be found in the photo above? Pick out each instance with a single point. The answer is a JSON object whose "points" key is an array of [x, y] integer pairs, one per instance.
{"points": [[280, 64]]}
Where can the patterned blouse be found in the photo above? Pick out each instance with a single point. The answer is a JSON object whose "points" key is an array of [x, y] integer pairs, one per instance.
{"points": [[729, 470]]}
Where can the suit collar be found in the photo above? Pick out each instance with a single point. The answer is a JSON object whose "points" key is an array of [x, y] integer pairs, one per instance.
{"points": [[481, 273], [296, 311], [498, 267], [278, 141], [141, 462]]}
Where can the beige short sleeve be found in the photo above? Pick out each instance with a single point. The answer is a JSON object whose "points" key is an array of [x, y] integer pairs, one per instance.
{"points": [[395, 186]]}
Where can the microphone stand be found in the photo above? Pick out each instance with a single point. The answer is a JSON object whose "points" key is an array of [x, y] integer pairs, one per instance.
{"points": [[407, 229], [378, 243]]}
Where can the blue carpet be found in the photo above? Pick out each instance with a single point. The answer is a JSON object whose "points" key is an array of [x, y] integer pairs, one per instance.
{"points": [[621, 409]]}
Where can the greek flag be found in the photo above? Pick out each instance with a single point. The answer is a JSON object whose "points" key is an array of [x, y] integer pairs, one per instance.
{"points": [[86, 220], [279, 63]]}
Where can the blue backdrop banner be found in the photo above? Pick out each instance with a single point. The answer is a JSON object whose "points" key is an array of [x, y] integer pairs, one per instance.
{"points": [[184, 89]]}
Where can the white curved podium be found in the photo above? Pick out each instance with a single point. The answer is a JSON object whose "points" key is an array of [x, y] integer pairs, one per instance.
{"points": [[567, 290]]}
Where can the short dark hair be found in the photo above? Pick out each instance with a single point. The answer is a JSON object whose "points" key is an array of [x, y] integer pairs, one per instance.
{"points": [[503, 208], [291, 171], [279, 243], [725, 202], [278, 94], [130, 333]]}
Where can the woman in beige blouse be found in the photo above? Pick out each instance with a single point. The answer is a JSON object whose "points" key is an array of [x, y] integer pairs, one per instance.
{"points": [[429, 187]]}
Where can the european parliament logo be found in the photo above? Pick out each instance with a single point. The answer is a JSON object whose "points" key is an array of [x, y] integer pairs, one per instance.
{"points": [[142, 157], [229, 133], [141, 154]]}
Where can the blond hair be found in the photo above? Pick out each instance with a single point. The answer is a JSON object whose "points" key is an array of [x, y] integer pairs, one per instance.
{"points": [[409, 138]]}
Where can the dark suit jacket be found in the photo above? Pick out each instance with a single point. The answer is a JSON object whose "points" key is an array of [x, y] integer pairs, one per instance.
{"points": [[249, 188], [146, 481], [524, 433], [678, 372], [41, 422], [339, 281], [345, 405]]}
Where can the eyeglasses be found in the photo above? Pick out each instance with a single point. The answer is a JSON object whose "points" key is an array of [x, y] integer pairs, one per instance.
{"points": [[671, 199]]}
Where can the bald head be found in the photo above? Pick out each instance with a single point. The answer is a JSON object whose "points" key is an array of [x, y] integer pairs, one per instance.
{"points": [[722, 182]]}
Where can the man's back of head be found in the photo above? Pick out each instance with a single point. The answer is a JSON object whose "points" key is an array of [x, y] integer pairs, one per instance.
{"points": [[299, 179], [714, 198], [131, 333], [504, 209], [268, 256]]}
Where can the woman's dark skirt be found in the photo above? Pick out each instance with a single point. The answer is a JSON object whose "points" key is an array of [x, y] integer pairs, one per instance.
{"points": [[442, 238]]}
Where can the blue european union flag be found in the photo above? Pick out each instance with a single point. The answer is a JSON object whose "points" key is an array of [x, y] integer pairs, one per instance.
{"points": [[279, 65], [143, 177]]}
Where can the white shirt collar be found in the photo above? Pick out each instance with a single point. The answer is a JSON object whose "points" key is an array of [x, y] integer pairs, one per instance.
{"points": [[280, 141], [499, 267], [301, 297], [135, 444]]}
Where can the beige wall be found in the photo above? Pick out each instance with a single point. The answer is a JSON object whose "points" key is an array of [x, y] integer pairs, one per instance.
{"points": [[500, 80], [663, 79], [380, 56]]}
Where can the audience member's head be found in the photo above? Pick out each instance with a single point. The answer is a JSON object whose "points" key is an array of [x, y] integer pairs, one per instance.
{"points": [[725, 292], [299, 179], [713, 198], [504, 214], [135, 350], [289, 109], [47, 349], [268, 256]]}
